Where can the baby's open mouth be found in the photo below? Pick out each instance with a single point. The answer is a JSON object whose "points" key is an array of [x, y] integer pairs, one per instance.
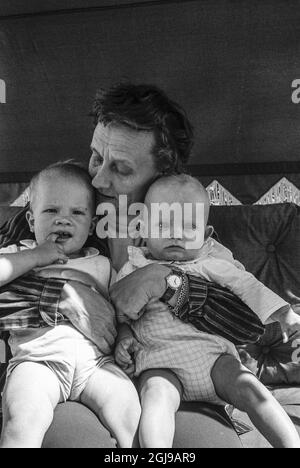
{"points": [[63, 236]]}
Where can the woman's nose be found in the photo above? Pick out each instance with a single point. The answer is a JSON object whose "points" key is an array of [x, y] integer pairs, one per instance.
{"points": [[102, 179]]}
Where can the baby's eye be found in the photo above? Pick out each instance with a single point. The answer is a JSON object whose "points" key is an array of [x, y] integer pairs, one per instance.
{"points": [[50, 210], [191, 227], [78, 212]]}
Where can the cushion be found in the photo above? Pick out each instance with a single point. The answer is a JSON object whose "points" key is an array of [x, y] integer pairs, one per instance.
{"points": [[289, 398], [13, 193], [7, 212], [266, 239]]}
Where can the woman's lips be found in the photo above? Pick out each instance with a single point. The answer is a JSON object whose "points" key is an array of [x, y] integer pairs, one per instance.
{"points": [[102, 197]]}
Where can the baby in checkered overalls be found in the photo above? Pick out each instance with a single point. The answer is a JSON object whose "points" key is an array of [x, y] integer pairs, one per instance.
{"points": [[176, 361]]}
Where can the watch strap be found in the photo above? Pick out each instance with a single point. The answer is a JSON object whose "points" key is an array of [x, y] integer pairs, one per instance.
{"points": [[170, 292]]}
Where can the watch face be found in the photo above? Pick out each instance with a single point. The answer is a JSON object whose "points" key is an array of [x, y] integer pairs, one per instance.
{"points": [[174, 281]]}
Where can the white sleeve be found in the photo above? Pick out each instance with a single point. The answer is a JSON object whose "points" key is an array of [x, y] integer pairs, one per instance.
{"points": [[243, 284], [127, 269], [113, 277], [223, 253], [10, 250]]}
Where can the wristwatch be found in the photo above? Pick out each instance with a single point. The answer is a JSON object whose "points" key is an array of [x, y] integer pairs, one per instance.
{"points": [[174, 282]]}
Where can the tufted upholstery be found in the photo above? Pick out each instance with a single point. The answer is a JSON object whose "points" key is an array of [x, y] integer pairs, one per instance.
{"points": [[266, 239], [10, 192]]}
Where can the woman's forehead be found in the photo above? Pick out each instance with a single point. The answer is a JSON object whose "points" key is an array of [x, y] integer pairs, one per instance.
{"points": [[123, 142]]}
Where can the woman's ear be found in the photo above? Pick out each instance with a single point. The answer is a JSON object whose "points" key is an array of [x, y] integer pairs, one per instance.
{"points": [[30, 220], [93, 225], [209, 230]]}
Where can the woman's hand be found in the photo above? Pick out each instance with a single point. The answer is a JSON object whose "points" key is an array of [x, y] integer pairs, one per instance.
{"points": [[124, 354], [155, 305], [90, 313], [131, 294]]}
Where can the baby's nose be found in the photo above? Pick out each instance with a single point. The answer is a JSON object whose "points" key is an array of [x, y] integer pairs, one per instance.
{"points": [[177, 232], [63, 221]]}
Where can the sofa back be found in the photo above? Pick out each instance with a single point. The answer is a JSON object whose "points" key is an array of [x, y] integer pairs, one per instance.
{"points": [[266, 239]]}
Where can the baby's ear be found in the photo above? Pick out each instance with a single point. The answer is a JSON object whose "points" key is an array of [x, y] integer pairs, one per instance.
{"points": [[209, 230], [93, 225], [30, 220], [142, 225]]}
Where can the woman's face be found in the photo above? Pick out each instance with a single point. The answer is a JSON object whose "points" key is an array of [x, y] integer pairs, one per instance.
{"points": [[122, 162]]}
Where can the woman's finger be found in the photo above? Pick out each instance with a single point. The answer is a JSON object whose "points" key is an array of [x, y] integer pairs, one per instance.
{"points": [[157, 307], [123, 355]]}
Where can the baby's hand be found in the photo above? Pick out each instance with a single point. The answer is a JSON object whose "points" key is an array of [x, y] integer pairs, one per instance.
{"points": [[124, 351], [289, 321], [49, 252]]}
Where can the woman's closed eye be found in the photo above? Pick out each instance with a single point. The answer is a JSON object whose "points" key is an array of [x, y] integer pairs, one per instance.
{"points": [[121, 169], [96, 160]]}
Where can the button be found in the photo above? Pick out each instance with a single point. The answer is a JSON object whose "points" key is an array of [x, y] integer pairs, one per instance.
{"points": [[271, 248], [266, 350]]}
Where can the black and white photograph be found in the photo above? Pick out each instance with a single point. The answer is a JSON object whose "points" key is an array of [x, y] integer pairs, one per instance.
{"points": [[150, 226]]}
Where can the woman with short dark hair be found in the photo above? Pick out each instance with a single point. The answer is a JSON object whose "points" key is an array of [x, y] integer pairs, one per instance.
{"points": [[140, 134]]}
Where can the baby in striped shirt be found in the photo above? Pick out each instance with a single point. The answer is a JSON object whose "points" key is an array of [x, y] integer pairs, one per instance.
{"points": [[56, 363]]}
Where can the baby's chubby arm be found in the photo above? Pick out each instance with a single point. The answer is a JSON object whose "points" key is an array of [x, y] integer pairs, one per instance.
{"points": [[262, 300], [265, 303], [14, 265]]}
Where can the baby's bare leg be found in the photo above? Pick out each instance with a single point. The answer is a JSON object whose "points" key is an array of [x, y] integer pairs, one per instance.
{"points": [[236, 385], [113, 397], [31, 393], [160, 392]]}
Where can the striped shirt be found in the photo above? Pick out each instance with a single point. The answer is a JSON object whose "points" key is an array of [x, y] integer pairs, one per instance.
{"points": [[26, 299]]}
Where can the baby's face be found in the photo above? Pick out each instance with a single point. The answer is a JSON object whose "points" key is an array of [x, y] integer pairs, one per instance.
{"points": [[64, 208], [179, 239]]}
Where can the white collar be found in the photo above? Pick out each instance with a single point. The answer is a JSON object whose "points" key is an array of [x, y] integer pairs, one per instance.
{"points": [[88, 252], [140, 256]]}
